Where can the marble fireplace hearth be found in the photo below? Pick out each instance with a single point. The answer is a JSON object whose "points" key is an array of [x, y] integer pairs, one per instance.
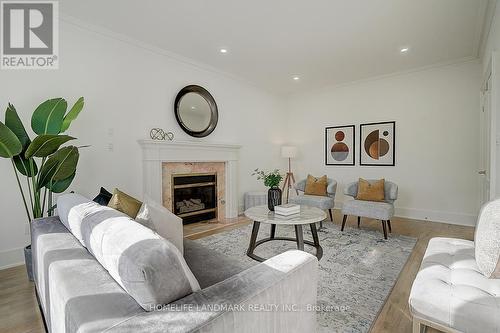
{"points": [[162, 159]]}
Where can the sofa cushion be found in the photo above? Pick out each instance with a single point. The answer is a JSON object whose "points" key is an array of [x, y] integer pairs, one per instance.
{"points": [[210, 267], [164, 222], [371, 209], [148, 267], [318, 201], [451, 290], [487, 240], [76, 293]]}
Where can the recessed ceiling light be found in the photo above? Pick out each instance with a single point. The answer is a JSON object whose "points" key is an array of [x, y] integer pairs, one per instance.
{"points": [[223, 50], [296, 78], [404, 49]]}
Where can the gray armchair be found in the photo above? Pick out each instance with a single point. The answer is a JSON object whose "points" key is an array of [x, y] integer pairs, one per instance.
{"points": [[321, 202], [382, 211]]}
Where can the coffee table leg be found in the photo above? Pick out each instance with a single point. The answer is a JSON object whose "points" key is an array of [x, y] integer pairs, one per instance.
{"points": [[319, 249], [273, 230], [300, 237], [253, 238]]}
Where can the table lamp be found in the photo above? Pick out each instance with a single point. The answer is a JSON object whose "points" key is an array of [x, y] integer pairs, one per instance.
{"points": [[288, 152]]}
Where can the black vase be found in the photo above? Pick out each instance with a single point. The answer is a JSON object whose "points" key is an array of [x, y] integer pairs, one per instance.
{"points": [[273, 198]]}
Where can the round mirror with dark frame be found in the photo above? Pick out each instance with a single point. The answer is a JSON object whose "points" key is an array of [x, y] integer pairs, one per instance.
{"points": [[196, 111]]}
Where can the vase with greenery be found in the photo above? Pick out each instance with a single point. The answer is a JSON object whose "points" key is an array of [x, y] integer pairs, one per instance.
{"points": [[272, 180], [41, 166]]}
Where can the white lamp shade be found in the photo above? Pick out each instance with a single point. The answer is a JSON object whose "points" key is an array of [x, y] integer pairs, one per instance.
{"points": [[288, 151]]}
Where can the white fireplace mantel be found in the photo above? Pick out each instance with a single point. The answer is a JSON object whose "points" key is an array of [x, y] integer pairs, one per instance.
{"points": [[155, 152]]}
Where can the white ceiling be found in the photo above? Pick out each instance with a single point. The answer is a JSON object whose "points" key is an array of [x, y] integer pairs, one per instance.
{"points": [[325, 42]]}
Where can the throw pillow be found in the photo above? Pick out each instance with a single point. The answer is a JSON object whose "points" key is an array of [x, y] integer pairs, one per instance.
{"points": [[371, 191], [125, 203], [487, 240], [165, 223], [316, 186], [103, 197]]}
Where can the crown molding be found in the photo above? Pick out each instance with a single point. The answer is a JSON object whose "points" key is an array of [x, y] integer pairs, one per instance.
{"points": [[455, 62]]}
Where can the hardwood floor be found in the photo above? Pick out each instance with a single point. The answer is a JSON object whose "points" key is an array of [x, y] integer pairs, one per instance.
{"points": [[19, 311]]}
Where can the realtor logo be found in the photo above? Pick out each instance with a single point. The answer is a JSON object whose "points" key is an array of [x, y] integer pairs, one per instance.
{"points": [[29, 35]]}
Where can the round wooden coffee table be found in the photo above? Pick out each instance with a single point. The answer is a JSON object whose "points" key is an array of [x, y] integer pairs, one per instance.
{"points": [[307, 215]]}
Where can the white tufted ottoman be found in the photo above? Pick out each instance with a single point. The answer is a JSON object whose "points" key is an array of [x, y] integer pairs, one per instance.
{"points": [[451, 294]]}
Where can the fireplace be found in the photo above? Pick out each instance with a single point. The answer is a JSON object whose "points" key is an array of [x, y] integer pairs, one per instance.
{"points": [[162, 159], [194, 196]]}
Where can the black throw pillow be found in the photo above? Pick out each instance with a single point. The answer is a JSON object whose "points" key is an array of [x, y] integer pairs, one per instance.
{"points": [[103, 197]]}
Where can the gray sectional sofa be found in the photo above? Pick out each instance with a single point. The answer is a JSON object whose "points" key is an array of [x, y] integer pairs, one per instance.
{"points": [[78, 294]]}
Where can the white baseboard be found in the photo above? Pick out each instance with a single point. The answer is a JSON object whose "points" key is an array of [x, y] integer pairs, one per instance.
{"points": [[11, 258], [431, 215]]}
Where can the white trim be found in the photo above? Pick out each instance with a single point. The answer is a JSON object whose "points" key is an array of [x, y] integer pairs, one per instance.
{"points": [[11, 258], [431, 215]]}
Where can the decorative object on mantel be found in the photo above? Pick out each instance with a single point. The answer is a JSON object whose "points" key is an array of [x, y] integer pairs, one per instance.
{"points": [[196, 111], [272, 180], [340, 145], [56, 167], [377, 144], [288, 152], [160, 134]]}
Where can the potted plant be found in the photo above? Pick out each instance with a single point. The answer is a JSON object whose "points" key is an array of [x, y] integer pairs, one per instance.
{"points": [[45, 165], [272, 180]]}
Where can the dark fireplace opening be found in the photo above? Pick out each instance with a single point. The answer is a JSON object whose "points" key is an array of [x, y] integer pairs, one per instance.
{"points": [[194, 197]]}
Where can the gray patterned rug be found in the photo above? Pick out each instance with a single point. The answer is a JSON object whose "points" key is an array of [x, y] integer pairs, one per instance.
{"points": [[357, 271]]}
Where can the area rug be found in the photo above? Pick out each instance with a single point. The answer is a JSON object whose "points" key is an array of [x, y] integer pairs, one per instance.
{"points": [[357, 271]]}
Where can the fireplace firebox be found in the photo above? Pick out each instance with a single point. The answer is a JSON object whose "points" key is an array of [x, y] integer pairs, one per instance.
{"points": [[194, 196]]}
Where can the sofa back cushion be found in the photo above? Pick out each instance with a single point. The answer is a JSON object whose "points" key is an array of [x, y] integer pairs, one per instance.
{"points": [[487, 240], [148, 267]]}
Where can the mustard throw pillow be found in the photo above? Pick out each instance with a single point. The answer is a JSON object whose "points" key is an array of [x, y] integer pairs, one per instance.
{"points": [[371, 191], [125, 203], [316, 186]]}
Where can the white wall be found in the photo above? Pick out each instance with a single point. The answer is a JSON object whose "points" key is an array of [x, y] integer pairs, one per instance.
{"points": [[127, 91], [437, 128]]}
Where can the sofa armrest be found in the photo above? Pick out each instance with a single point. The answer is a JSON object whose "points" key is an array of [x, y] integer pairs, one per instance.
{"points": [[278, 295]]}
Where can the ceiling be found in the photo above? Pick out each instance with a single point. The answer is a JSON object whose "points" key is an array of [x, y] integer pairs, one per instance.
{"points": [[324, 42]]}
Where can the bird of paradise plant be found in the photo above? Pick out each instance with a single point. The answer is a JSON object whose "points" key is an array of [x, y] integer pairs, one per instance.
{"points": [[46, 166]]}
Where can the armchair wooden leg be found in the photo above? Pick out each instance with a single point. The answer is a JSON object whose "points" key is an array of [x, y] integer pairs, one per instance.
{"points": [[331, 215], [359, 221], [343, 222], [384, 226], [389, 225]]}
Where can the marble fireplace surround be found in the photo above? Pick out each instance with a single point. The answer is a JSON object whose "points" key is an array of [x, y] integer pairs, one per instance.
{"points": [[157, 154]]}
